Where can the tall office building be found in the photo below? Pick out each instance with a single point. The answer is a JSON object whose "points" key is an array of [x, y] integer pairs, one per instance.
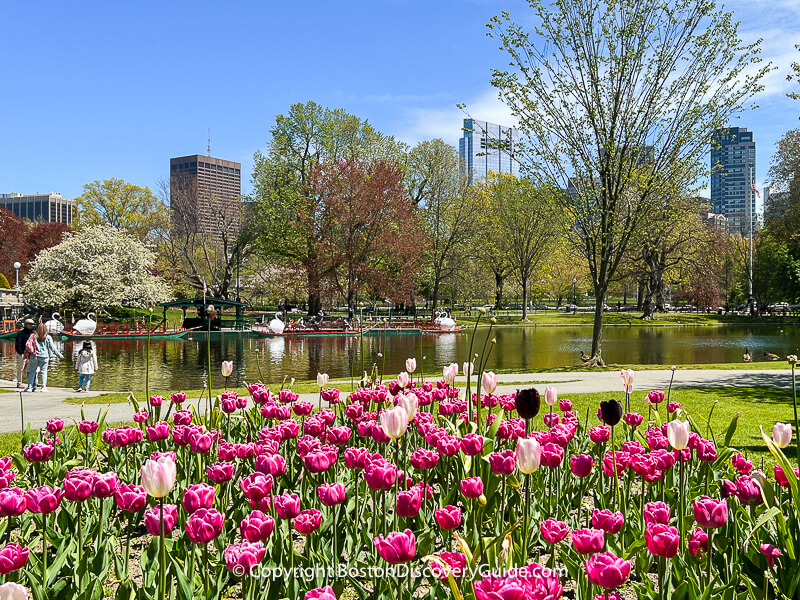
{"points": [[40, 207], [733, 176], [205, 194], [486, 147]]}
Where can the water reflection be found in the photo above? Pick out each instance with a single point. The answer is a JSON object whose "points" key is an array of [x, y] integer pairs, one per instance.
{"points": [[181, 364]]}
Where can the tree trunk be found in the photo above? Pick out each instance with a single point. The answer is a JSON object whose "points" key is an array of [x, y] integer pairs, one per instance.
{"points": [[640, 295], [435, 298], [597, 330], [524, 298], [498, 286], [314, 299]]}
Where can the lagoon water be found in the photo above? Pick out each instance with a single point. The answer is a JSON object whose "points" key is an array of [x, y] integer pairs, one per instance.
{"points": [[180, 364]]}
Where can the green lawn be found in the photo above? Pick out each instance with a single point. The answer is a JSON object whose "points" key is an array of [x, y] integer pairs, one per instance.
{"points": [[758, 407]]}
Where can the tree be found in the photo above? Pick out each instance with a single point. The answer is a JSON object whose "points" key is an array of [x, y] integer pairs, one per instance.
{"points": [[98, 267], [611, 87], [196, 252], [285, 211], [446, 208], [371, 236], [44, 235], [782, 210], [4, 282], [13, 243], [522, 217], [123, 205]]}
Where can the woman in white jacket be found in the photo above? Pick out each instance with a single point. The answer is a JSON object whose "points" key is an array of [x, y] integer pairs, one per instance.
{"points": [[86, 365]]}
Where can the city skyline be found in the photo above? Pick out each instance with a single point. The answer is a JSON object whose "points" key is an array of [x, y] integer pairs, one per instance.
{"points": [[124, 94]]}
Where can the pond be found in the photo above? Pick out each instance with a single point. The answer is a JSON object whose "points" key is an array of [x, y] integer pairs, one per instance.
{"points": [[180, 364]]}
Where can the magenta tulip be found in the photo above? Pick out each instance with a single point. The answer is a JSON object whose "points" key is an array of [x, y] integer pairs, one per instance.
{"points": [[472, 444], [257, 526], [448, 517], [38, 452], [710, 513], [245, 556], [197, 496], [87, 427], [656, 512], [256, 486], [130, 498], [662, 540], [323, 593], [698, 543], [396, 548], [607, 571], [502, 463], [472, 487], [44, 499], [331, 494], [769, 551], [308, 521], [287, 505], [554, 531], [582, 465], [12, 502], [409, 502], [12, 558], [204, 525], [610, 522], [54, 426], [152, 519], [588, 541]]}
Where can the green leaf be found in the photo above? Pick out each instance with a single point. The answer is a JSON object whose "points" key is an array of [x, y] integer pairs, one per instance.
{"points": [[731, 429], [763, 520]]}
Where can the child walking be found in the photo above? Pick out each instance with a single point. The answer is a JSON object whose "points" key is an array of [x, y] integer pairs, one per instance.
{"points": [[86, 366]]}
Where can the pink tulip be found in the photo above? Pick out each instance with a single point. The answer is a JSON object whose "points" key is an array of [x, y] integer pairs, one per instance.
{"points": [[324, 593], [152, 519], [396, 548], [380, 475], [139, 417], [256, 486], [197, 496], [12, 558], [610, 522], [581, 464], [156, 401], [449, 373], [308, 521], [550, 396], [600, 434], [662, 540], [472, 487], [627, 380], [698, 543], [38, 452], [422, 458], [529, 455], [552, 455], [331, 494], [448, 517], [55, 425], [44, 499], [87, 427], [768, 550], [655, 397], [287, 505], [12, 502], [409, 502], [633, 420], [158, 432], [178, 398], [588, 541], [455, 562], [204, 525], [502, 463], [673, 406], [130, 498], [355, 458], [554, 531], [607, 571], [656, 512], [565, 405], [200, 442], [245, 556], [710, 513], [489, 381], [394, 422], [257, 527], [228, 405], [78, 485], [220, 472]]}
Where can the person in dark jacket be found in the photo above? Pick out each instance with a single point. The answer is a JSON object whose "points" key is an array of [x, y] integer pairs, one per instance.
{"points": [[23, 335]]}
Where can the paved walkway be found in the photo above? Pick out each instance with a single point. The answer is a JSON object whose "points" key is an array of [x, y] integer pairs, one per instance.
{"points": [[39, 407]]}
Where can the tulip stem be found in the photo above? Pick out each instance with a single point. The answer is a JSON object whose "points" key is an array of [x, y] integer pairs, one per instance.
{"points": [[206, 567], [162, 554], [527, 516], [661, 569], [44, 553], [796, 422], [682, 494], [127, 545], [710, 551], [615, 481], [147, 365]]}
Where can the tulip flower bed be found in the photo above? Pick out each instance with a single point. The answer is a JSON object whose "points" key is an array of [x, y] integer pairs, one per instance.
{"points": [[397, 491]]}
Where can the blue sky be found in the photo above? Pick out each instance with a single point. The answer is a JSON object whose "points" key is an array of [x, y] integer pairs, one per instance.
{"points": [[94, 90]]}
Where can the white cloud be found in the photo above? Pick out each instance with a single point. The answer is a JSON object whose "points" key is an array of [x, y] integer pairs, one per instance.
{"points": [[443, 121]]}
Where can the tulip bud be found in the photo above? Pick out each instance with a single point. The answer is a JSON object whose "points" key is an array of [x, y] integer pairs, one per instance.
{"points": [[227, 368], [782, 434], [322, 379], [678, 434], [482, 500]]}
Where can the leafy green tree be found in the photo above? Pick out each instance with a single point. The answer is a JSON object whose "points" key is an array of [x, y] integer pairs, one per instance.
{"points": [[98, 267], [4, 282], [446, 207], [605, 87], [287, 216], [124, 205]]}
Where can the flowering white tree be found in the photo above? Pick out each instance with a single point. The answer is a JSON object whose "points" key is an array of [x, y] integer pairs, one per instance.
{"points": [[99, 267]]}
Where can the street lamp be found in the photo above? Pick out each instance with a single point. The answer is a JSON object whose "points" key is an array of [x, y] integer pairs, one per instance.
{"points": [[574, 292], [17, 266]]}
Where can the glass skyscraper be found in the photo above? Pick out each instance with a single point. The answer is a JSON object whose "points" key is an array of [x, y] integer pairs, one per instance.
{"points": [[487, 147], [733, 177]]}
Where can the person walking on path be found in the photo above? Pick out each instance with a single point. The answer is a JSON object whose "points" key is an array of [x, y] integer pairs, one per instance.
{"points": [[41, 348], [23, 335], [86, 366]]}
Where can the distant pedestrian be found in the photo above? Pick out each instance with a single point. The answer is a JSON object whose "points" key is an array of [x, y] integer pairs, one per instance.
{"points": [[41, 349], [23, 335], [86, 366]]}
